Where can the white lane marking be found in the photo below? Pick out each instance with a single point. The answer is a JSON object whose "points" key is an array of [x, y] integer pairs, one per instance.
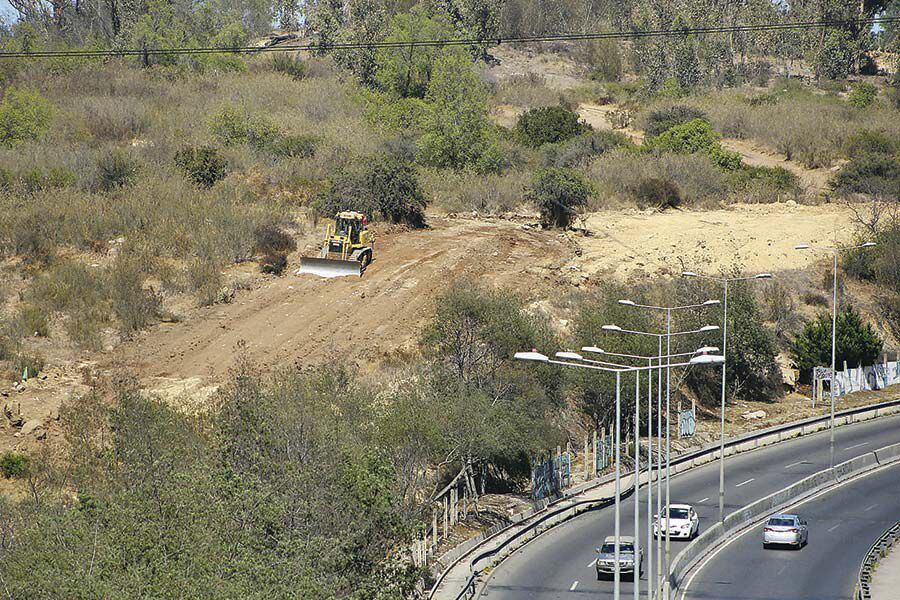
{"points": [[870, 508], [745, 482], [830, 529], [574, 585], [856, 446], [781, 570], [704, 500], [799, 462], [706, 560], [592, 563]]}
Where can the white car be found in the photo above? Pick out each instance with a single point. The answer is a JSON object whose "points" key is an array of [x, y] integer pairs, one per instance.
{"points": [[785, 530], [683, 522]]}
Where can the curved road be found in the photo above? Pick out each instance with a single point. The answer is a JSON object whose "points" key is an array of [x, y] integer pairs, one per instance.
{"points": [[843, 524], [559, 563]]}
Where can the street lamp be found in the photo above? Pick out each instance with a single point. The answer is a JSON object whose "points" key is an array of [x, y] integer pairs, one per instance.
{"points": [[725, 281], [699, 359], [649, 359], [668, 335], [834, 251]]}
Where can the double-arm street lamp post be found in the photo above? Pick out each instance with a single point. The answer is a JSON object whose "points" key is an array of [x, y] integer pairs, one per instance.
{"points": [[668, 336], [725, 281], [649, 359], [835, 250], [701, 359]]}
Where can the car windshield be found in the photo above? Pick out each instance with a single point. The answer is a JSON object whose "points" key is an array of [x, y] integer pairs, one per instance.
{"points": [[781, 522], [611, 548], [678, 513]]}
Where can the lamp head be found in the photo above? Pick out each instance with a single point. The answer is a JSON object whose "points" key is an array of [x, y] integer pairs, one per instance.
{"points": [[801, 247], [763, 276], [711, 302], [706, 350], [709, 328], [535, 356], [627, 302], [689, 274], [569, 355], [868, 245], [592, 349], [707, 359], [611, 328]]}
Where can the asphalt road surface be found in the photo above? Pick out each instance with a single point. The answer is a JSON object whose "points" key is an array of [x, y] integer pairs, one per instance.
{"points": [[843, 524], [559, 563]]}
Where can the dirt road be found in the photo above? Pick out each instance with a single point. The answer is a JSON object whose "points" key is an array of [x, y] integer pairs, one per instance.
{"points": [[306, 320]]}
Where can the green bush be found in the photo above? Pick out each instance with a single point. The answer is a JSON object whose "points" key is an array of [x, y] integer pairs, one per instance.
{"points": [[135, 306], [293, 146], [406, 73], [663, 119], [549, 125], [604, 58], [36, 180], [13, 465], [764, 183], [115, 169], [870, 142], [873, 173], [288, 64], [559, 194], [862, 94], [202, 165], [696, 136], [273, 264], [857, 343], [387, 188], [24, 116], [660, 193], [581, 149], [234, 125]]}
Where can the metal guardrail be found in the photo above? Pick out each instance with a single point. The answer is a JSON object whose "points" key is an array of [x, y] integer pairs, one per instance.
{"points": [[879, 550], [711, 449]]}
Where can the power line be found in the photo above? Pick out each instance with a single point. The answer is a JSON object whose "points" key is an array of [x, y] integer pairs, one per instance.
{"points": [[633, 34]]}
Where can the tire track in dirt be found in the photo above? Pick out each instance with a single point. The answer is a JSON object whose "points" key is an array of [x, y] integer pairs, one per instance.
{"points": [[304, 320]]}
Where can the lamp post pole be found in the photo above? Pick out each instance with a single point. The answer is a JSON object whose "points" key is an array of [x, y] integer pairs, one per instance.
{"points": [[834, 301], [724, 281]]}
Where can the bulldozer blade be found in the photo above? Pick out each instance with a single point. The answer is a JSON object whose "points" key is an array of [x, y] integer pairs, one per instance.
{"points": [[329, 267]]}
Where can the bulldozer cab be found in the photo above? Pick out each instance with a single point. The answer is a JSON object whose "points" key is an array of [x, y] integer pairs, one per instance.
{"points": [[348, 227]]}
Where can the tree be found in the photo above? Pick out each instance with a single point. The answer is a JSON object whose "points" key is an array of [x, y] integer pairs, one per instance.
{"points": [[559, 193], [857, 342], [834, 58], [407, 71], [457, 132], [158, 29]]}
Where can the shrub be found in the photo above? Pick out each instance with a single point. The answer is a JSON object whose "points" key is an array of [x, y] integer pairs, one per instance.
{"points": [[34, 320], [581, 149], [288, 64], [135, 306], [873, 173], [13, 465], [203, 165], [814, 299], [605, 60], [234, 125], [406, 73], [271, 239], [115, 169], [857, 342], [696, 136], [870, 142], [862, 94], [660, 193], [273, 264], [30, 364], [559, 193], [663, 119], [24, 116], [549, 125], [293, 146], [387, 187], [765, 183]]}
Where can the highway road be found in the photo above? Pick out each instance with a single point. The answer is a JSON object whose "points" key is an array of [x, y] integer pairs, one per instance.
{"points": [[559, 563], [843, 524]]}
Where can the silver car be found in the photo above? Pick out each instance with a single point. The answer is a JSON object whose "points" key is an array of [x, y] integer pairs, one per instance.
{"points": [[606, 557], [785, 530]]}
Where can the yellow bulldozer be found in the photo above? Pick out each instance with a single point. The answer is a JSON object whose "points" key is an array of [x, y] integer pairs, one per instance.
{"points": [[347, 249]]}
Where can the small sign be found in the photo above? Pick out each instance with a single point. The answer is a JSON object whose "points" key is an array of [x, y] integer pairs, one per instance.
{"points": [[687, 423]]}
